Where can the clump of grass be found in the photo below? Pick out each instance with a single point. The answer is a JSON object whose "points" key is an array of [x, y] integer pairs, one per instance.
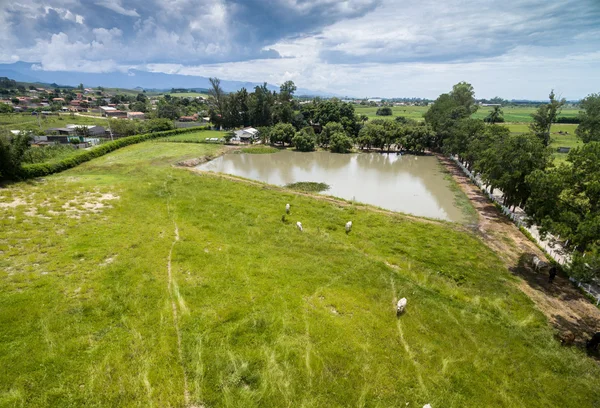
{"points": [[308, 186], [259, 150]]}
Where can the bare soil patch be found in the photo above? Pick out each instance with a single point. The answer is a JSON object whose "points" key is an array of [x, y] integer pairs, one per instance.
{"points": [[567, 309]]}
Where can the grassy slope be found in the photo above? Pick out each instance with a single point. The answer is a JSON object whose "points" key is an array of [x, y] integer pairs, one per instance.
{"points": [[268, 316], [194, 137]]}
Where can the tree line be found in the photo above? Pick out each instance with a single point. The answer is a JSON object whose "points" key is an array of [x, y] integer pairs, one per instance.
{"points": [[562, 199]]}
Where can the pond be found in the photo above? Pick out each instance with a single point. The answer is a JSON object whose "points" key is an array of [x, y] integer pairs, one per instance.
{"points": [[404, 183]]}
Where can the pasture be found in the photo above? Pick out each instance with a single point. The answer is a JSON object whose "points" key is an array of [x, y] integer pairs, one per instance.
{"points": [[128, 282]]}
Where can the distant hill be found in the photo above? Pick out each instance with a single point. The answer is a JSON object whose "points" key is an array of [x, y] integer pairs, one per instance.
{"points": [[24, 72]]}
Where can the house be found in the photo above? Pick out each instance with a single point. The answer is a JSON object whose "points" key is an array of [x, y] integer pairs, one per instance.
{"points": [[135, 115], [115, 114], [58, 100], [192, 118], [105, 109], [246, 135]]}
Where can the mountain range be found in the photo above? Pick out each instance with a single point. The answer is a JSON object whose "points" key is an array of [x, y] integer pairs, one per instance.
{"points": [[27, 72]]}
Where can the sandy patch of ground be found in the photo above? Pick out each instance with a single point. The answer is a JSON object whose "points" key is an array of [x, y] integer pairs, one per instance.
{"points": [[567, 309]]}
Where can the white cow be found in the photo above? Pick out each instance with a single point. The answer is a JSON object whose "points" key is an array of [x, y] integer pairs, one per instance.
{"points": [[299, 225], [287, 208], [401, 306], [538, 263], [348, 226]]}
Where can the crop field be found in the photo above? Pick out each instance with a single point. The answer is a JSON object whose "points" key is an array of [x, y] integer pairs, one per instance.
{"points": [[511, 114], [568, 138], [410, 112], [187, 95], [128, 282]]}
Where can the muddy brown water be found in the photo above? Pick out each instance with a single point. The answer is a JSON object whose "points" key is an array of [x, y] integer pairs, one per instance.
{"points": [[404, 183]]}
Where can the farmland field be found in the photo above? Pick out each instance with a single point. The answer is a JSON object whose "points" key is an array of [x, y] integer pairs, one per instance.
{"points": [[128, 282], [511, 114]]}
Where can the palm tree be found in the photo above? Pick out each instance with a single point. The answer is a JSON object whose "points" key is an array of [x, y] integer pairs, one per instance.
{"points": [[495, 116]]}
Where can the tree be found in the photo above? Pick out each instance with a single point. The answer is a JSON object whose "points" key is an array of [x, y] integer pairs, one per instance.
{"points": [[329, 129], [369, 135], [589, 119], [12, 150], [364, 119], [495, 116], [6, 108], [463, 95], [460, 136], [158, 125], [216, 102], [260, 105], [340, 143], [167, 110], [138, 107], [282, 133], [305, 140], [543, 118], [384, 111], [566, 199], [507, 163]]}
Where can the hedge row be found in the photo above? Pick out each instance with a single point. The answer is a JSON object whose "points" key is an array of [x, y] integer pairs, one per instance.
{"points": [[44, 169]]}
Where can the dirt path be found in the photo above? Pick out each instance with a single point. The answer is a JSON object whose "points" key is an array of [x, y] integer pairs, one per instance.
{"points": [[570, 312]]}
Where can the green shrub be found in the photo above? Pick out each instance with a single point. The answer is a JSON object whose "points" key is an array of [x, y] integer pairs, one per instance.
{"points": [[304, 140], [340, 143]]}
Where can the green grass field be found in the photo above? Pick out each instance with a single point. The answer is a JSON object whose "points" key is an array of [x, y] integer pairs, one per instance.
{"points": [[30, 122], [195, 137], [251, 312], [188, 95], [567, 139], [511, 114]]}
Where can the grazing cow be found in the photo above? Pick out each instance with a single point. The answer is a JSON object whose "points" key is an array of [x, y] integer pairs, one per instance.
{"points": [[401, 306], [552, 274], [538, 263], [348, 227], [592, 344], [299, 225], [287, 208]]}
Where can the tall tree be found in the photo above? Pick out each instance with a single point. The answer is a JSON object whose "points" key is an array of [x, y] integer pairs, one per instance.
{"points": [[261, 103], [543, 118], [216, 102], [589, 119], [495, 116]]}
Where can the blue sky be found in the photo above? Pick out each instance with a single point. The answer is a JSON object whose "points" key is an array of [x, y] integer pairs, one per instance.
{"points": [[513, 49]]}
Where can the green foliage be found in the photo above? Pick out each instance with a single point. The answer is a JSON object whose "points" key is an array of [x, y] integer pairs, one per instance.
{"points": [[543, 118], [282, 133], [416, 138], [566, 200], [5, 108], [385, 111], [305, 140], [12, 150], [158, 125], [259, 150], [324, 138], [125, 127], [508, 161], [589, 119], [496, 115], [340, 143], [308, 186], [48, 153]]}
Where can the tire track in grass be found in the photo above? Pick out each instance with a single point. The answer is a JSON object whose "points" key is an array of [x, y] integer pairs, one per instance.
{"points": [[186, 392], [405, 344]]}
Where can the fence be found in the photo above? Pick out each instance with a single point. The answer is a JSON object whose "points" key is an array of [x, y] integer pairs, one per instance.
{"points": [[550, 244]]}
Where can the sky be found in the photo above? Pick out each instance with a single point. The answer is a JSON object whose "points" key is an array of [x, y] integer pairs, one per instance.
{"points": [[515, 49]]}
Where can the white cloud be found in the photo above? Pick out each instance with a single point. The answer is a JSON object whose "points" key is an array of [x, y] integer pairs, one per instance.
{"points": [[115, 5]]}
